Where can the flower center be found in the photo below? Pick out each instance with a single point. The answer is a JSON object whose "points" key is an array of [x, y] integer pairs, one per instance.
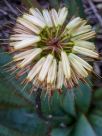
{"points": [[55, 40]]}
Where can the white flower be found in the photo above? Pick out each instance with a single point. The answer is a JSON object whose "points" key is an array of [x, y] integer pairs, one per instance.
{"points": [[51, 52]]}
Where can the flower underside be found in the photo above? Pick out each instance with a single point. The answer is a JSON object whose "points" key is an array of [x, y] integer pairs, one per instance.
{"points": [[51, 51]]}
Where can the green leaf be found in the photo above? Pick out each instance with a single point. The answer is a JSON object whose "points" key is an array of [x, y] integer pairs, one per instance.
{"points": [[31, 3], [69, 103], [10, 81], [53, 108], [9, 97], [83, 127], [97, 99], [80, 8], [98, 94], [97, 112], [60, 132], [55, 104], [5, 131], [54, 3], [83, 97], [24, 122], [45, 105], [72, 7], [4, 58], [96, 122], [75, 7]]}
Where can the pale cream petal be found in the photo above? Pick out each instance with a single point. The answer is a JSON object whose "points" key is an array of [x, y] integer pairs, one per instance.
{"points": [[36, 69], [83, 62], [74, 23], [85, 52], [22, 55], [51, 77], [74, 77], [29, 58], [20, 37], [66, 65], [29, 25], [85, 36], [26, 43], [45, 67], [78, 67], [36, 21], [47, 18], [36, 12], [54, 16], [60, 76], [85, 44], [81, 30], [62, 15]]}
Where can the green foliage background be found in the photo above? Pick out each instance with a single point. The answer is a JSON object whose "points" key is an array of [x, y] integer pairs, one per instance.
{"points": [[74, 113]]}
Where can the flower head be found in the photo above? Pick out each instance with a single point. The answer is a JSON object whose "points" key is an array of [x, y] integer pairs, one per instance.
{"points": [[55, 51]]}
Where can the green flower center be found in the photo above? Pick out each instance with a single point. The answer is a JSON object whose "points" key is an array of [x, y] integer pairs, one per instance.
{"points": [[54, 40]]}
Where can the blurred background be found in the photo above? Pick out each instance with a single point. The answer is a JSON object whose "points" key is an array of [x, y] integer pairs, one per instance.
{"points": [[73, 113]]}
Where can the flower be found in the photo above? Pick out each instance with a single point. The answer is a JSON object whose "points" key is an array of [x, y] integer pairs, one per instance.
{"points": [[51, 51]]}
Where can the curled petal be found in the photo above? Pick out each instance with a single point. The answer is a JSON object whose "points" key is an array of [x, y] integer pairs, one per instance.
{"points": [[77, 66], [54, 16], [36, 12], [85, 36], [66, 65], [85, 44], [85, 52], [34, 20], [84, 63], [26, 43], [60, 76], [52, 72], [36, 69], [81, 30], [47, 17], [45, 67], [22, 55], [29, 25], [74, 23], [30, 57], [62, 15]]}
